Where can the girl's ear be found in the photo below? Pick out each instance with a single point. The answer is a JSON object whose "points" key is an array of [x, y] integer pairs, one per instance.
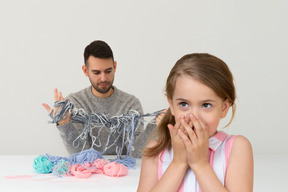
{"points": [[225, 108], [170, 105], [85, 70]]}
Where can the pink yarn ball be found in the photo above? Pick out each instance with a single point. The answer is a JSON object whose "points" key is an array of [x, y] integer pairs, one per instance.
{"points": [[115, 169], [79, 171]]}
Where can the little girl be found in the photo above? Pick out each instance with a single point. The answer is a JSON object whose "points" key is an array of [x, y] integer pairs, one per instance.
{"points": [[189, 153]]}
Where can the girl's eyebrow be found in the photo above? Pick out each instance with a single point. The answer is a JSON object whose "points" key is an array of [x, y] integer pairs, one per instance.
{"points": [[181, 99], [202, 101], [208, 101]]}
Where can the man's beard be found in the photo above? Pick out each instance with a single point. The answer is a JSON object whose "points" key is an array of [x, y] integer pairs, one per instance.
{"points": [[102, 89]]}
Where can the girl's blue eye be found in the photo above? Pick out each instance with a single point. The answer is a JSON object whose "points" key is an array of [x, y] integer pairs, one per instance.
{"points": [[207, 105], [183, 104]]}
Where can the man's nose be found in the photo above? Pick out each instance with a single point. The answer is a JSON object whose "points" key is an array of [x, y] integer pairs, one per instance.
{"points": [[103, 77]]}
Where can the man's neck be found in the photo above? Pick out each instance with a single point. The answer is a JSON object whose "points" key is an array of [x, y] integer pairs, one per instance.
{"points": [[102, 95]]}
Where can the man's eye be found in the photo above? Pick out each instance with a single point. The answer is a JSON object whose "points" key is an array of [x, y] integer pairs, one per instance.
{"points": [[108, 71], [183, 104], [207, 105]]}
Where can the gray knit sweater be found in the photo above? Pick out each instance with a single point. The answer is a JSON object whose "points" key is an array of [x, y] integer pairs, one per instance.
{"points": [[117, 104]]}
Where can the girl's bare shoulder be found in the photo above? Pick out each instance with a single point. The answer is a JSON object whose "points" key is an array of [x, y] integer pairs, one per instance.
{"points": [[241, 144]]}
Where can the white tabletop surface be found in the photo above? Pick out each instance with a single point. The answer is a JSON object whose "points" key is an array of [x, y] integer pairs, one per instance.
{"points": [[14, 165], [270, 174]]}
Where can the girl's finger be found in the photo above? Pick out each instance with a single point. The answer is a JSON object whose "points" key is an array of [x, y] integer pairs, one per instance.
{"points": [[204, 126], [176, 128], [190, 132], [173, 129], [199, 130], [181, 126], [185, 139], [188, 120], [170, 127]]}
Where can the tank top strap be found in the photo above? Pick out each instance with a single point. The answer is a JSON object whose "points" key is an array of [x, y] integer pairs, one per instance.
{"points": [[221, 158]]}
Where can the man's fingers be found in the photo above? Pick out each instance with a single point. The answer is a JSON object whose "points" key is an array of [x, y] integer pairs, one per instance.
{"points": [[47, 107], [56, 94], [61, 98]]}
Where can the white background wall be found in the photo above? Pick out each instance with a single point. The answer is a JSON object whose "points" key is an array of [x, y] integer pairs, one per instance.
{"points": [[42, 43]]}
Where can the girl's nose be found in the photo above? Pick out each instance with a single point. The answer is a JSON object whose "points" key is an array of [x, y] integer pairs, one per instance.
{"points": [[194, 111]]}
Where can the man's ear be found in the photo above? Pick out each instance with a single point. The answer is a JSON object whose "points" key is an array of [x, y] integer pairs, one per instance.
{"points": [[85, 70], [115, 65], [171, 105], [225, 108]]}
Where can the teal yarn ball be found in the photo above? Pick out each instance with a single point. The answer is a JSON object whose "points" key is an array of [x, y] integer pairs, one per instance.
{"points": [[42, 164]]}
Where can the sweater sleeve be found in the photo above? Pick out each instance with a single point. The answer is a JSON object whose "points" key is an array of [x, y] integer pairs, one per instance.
{"points": [[140, 141], [70, 133], [141, 134]]}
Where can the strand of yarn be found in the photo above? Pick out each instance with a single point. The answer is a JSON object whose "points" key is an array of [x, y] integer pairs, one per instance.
{"points": [[132, 136], [61, 110], [121, 131], [116, 124]]}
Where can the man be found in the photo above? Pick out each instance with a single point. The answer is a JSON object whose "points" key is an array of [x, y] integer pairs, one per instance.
{"points": [[101, 97]]}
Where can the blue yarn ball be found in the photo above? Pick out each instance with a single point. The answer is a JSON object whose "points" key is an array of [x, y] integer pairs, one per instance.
{"points": [[89, 155], [42, 164]]}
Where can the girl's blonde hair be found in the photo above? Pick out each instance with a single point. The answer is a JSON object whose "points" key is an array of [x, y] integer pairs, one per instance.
{"points": [[205, 68]]}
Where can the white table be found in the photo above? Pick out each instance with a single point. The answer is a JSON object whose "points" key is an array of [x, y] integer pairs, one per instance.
{"points": [[270, 174], [13, 165]]}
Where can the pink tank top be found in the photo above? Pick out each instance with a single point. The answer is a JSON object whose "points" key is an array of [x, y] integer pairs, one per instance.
{"points": [[218, 156]]}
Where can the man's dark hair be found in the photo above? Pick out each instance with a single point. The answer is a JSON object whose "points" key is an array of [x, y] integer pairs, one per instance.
{"points": [[98, 49]]}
